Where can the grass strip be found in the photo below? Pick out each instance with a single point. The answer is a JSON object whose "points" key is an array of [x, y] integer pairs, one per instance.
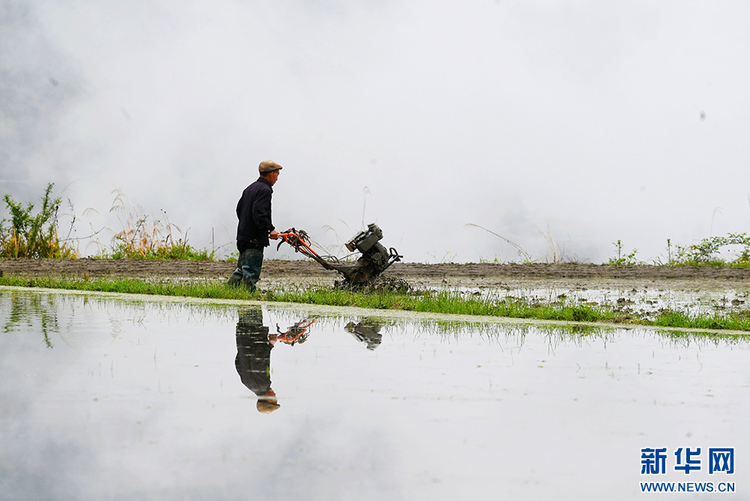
{"points": [[425, 301]]}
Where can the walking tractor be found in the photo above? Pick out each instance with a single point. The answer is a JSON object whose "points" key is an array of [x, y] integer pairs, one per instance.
{"points": [[297, 333], [374, 259]]}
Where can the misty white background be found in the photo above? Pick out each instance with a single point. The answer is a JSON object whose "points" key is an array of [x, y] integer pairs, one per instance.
{"points": [[573, 122]]}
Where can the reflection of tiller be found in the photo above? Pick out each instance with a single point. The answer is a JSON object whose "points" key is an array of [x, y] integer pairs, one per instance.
{"points": [[368, 333], [297, 333], [375, 259]]}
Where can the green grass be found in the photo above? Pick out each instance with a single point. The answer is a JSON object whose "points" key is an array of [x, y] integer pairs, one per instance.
{"points": [[426, 301], [730, 321]]}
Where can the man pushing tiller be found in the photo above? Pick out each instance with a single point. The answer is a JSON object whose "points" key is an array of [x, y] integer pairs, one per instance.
{"points": [[255, 228]]}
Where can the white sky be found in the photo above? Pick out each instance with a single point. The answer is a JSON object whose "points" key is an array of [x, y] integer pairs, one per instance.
{"points": [[585, 121]]}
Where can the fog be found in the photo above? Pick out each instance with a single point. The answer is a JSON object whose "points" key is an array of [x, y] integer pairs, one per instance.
{"points": [[561, 126]]}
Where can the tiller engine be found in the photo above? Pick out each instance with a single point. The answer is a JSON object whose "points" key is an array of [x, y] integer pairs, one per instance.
{"points": [[375, 259]]}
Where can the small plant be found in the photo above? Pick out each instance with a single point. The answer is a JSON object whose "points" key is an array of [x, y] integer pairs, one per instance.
{"points": [[744, 258], [669, 251], [624, 260], [33, 236]]}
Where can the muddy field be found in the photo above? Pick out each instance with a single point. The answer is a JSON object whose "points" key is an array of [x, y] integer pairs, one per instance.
{"points": [[643, 290], [531, 276]]}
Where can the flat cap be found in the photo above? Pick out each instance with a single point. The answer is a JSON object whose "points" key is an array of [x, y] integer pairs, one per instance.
{"points": [[266, 407], [267, 166]]}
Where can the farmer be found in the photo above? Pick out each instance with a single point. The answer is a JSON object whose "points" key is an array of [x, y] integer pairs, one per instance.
{"points": [[253, 360], [255, 226]]}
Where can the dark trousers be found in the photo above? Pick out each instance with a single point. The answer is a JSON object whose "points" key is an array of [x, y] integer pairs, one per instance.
{"points": [[248, 269]]}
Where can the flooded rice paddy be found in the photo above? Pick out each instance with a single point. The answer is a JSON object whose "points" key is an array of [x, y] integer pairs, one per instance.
{"points": [[112, 398], [644, 298]]}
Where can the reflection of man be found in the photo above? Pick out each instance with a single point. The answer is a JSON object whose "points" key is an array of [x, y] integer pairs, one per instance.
{"points": [[255, 226], [253, 361]]}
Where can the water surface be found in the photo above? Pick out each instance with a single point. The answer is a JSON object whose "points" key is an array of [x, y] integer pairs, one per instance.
{"points": [[105, 398]]}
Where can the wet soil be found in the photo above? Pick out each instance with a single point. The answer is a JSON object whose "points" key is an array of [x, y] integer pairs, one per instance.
{"points": [[472, 275]]}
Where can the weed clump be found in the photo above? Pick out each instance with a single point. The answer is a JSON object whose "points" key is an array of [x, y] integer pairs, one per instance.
{"points": [[141, 239], [623, 259], [33, 236], [140, 242], [707, 251]]}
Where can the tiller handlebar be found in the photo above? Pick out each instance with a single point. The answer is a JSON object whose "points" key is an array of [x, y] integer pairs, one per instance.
{"points": [[297, 333]]}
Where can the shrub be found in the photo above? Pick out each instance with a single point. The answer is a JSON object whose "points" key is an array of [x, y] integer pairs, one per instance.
{"points": [[33, 236], [706, 252]]}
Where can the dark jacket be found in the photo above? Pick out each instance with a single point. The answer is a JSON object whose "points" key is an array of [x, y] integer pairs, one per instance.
{"points": [[254, 213], [253, 360]]}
